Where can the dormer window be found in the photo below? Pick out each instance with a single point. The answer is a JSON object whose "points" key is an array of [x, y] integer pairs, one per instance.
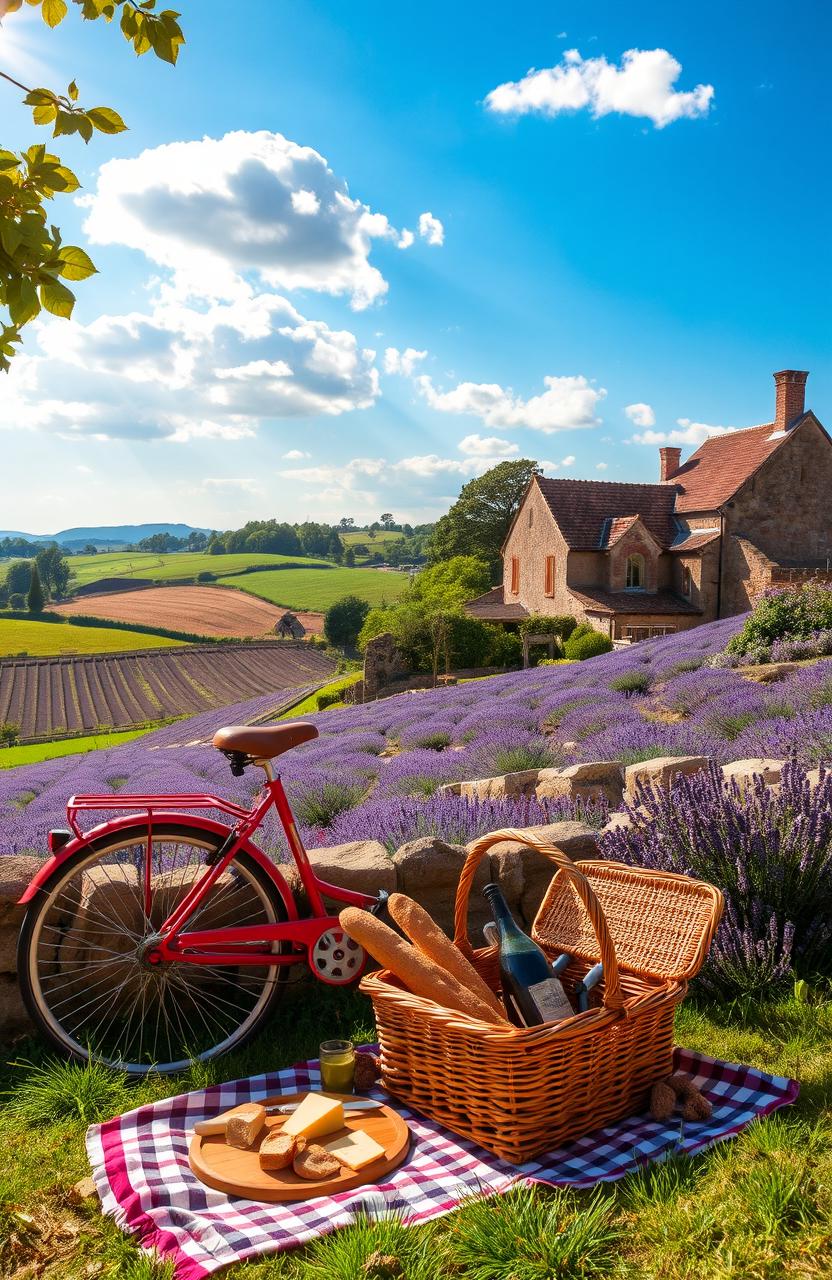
{"points": [[635, 573]]}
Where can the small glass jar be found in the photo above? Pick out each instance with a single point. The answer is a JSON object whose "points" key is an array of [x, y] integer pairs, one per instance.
{"points": [[337, 1066]]}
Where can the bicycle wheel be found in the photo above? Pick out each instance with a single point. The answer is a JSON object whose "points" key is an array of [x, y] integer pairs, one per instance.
{"points": [[83, 975]]}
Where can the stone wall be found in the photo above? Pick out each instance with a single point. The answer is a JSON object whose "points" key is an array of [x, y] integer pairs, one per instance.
{"points": [[533, 537]]}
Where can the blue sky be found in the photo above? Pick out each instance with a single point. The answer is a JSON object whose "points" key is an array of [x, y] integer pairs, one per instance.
{"points": [[404, 238]]}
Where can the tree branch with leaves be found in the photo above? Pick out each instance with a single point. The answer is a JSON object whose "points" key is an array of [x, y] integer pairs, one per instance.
{"points": [[34, 261]]}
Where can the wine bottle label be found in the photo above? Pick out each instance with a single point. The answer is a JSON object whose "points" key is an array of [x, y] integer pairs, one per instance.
{"points": [[550, 1000]]}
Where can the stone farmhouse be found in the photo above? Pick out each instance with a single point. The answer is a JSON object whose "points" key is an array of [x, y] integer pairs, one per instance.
{"points": [[748, 510]]}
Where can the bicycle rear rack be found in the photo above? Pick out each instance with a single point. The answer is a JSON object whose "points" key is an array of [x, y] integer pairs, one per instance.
{"points": [[148, 804]]}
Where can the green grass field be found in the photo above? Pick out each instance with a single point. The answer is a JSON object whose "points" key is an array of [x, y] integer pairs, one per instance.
{"points": [[317, 589], [51, 639], [180, 564], [11, 757], [755, 1208]]}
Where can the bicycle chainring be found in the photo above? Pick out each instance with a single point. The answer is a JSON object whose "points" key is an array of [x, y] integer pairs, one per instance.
{"points": [[335, 958]]}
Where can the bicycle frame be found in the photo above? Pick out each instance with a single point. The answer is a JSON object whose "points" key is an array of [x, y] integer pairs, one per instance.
{"points": [[231, 945]]}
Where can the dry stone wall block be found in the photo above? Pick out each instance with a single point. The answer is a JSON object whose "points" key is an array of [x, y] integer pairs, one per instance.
{"points": [[659, 773], [593, 780], [364, 866], [521, 783], [428, 870], [15, 874], [743, 772]]}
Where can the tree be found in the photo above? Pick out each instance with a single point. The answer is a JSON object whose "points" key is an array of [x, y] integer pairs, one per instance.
{"points": [[18, 577], [53, 569], [35, 598], [344, 620], [197, 540], [336, 548], [448, 585], [349, 557], [387, 520], [90, 550], [33, 258], [478, 521], [215, 546]]}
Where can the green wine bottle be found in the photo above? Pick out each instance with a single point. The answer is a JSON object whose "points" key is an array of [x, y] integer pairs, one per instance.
{"points": [[530, 989]]}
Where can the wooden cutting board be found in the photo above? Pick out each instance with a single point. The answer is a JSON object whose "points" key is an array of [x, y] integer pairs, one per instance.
{"points": [[238, 1173]]}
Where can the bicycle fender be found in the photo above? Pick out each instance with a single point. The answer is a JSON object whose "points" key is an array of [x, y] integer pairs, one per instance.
{"points": [[115, 825]]}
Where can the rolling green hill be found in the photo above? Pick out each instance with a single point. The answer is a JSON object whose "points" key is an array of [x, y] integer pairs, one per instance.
{"points": [[50, 639], [179, 564], [317, 589]]}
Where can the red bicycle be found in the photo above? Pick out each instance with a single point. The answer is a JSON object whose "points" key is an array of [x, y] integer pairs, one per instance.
{"points": [[162, 936]]}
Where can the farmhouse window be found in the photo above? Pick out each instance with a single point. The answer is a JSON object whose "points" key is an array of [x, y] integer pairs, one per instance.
{"points": [[515, 575], [549, 588], [635, 572], [648, 633]]}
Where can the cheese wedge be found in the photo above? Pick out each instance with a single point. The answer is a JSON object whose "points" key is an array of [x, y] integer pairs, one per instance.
{"points": [[243, 1128], [316, 1116], [355, 1149]]}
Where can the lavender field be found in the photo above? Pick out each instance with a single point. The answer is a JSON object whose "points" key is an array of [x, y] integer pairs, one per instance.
{"points": [[374, 770]]}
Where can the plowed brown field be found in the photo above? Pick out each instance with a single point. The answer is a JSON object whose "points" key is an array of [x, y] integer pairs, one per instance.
{"points": [[206, 611]]}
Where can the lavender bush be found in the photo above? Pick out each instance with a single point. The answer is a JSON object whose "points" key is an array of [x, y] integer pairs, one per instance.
{"points": [[769, 851]]}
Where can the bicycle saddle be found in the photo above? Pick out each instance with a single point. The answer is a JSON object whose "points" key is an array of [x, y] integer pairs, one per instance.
{"points": [[264, 742]]}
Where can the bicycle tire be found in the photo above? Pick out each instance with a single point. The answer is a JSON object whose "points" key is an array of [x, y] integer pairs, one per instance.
{"points": [[31, 948]]}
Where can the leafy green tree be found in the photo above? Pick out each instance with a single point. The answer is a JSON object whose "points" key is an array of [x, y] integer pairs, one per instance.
{"points": [[34, 261], [35, 598], [17, 601], [478, 521], [449, 584], [18, 577], [336, 548], [53, 569], [586, 644], [387, 520], [343, 621], [215, 546], [9, 733], [349, 557]]}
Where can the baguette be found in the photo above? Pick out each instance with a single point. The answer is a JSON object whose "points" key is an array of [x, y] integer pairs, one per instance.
{"points": [[425, 933], [419, 974], [217, 1124]]}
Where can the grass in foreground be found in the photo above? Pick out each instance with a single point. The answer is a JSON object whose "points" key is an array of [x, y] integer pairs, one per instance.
{"points": [[11, 757], [757, 1208], [317, 589], [52, 639]]}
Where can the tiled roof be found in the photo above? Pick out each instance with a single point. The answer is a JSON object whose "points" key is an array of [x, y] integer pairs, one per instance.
{"points": [[632, 601], [583, 507], [491, 607], [616, 529], [720, 465], [695, 539]]}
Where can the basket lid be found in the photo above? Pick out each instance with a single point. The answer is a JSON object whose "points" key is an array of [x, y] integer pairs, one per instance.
{"points": [[661, 924]]}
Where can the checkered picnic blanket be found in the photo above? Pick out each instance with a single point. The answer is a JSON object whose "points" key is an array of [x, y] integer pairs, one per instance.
{"points": [[140, 1165]]}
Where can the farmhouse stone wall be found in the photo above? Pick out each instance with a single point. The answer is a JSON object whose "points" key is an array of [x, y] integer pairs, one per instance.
{"points": [[533, 537]]}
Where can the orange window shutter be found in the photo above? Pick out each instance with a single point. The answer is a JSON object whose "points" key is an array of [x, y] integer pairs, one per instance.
{"points": [[550, 575]]}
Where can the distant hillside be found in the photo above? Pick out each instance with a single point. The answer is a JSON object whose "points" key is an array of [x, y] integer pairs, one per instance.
{"points": [[109, 535]]}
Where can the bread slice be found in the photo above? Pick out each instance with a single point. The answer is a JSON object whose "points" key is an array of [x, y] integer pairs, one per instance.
{"points": [[278, 1149], [243, 1128], [314, 1163]]}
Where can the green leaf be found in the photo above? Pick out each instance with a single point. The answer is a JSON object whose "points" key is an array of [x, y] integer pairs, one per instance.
{"points": [[57, 299], [22, 299], [75, 264], [73, 91], [66, 177], [38, 98], [85, 126], [66, 122], [8, 160], [11, 237], [54, 12], [106, 120], [129, 22], [45, 114]]}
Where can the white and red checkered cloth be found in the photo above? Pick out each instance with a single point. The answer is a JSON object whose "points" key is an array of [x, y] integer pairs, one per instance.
{"points": [[140, 1165]]}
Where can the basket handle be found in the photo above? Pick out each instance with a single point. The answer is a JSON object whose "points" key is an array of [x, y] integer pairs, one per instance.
{"points": [[613, 998]]}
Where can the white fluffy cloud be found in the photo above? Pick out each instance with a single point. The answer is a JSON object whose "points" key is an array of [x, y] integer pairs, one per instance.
{"points": [[688, 433], [640, 414], [566, 404], [431, 229], [477, 446], [403, 362], [221, 211], [641, 86], [296, 455], [180, 374], [601, 466]]}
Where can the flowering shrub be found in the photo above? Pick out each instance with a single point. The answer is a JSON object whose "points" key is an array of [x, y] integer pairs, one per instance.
{"points": [[785, 614], [770, 852]]}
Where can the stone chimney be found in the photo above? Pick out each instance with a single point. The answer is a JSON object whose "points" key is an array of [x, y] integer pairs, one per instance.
{"points": [[668, 462], [790, 394]]}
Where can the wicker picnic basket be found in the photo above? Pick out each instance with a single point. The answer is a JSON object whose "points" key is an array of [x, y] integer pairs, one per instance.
{"points": [[519, 1092]]}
